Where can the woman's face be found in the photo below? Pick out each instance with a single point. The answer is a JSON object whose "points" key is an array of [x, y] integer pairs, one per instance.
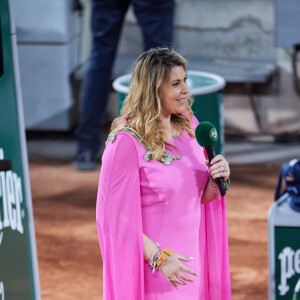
{"points": [[174, 92]]}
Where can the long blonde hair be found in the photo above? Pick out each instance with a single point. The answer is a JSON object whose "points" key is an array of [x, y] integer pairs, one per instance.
{"points": [[142, 106]]}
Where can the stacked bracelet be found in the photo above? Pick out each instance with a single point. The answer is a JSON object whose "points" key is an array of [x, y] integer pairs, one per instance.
{"points": [[154, 257], [158, 256]]}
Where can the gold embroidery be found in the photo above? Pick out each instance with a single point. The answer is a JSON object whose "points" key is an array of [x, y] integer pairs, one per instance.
{"points": [[167, 158]]}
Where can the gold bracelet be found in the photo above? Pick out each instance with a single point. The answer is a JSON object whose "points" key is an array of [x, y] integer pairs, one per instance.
{"points": [[163, 257]]}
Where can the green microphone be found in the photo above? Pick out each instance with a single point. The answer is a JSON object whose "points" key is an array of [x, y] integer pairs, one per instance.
{"points": [[207, 136]]}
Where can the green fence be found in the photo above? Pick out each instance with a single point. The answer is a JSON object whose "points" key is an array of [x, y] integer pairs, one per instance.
{"points": [[18, 260]]}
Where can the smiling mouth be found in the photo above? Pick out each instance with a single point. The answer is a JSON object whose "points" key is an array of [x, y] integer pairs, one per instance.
{"points": [[181, 100]]}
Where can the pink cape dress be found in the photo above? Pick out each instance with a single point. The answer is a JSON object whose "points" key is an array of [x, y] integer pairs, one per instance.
{"points": [[162, 201]]}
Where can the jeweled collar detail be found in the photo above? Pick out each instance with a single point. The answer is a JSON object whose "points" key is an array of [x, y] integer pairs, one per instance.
{"points": [[167, 158]]}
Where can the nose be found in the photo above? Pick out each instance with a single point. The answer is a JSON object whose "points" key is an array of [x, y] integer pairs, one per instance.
{"points": [[185, 88]]}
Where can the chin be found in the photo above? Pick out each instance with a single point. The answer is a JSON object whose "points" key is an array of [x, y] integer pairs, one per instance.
{"points": [[180, 111]]}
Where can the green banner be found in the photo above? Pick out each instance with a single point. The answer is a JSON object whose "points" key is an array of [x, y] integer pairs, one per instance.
{"points": [[287, 261], [18, 261]]}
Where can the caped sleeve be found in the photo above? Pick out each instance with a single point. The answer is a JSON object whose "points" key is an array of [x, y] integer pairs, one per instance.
{"points": [[119, 221], [214, 247]]}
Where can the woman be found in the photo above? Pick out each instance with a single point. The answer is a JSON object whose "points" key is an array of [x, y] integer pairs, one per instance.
{"points": [[161, 220]]}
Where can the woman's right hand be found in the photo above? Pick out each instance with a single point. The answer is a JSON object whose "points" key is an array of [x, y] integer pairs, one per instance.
{"points": [[172, 268]]}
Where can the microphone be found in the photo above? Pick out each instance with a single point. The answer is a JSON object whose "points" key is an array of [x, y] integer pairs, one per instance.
{"points": [[207, 136], [5, 165]]}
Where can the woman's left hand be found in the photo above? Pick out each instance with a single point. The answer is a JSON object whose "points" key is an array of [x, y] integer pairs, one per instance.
{"points": [[219, 167]]}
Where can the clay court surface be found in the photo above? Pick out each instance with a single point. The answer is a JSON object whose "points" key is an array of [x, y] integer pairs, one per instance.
{"points": [[67, 244]]}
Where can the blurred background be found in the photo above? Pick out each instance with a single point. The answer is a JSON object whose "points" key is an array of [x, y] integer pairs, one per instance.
{"points": [[252, 44]]}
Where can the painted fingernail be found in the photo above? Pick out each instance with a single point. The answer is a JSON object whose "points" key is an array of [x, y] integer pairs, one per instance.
{"points": [[191, 257]]}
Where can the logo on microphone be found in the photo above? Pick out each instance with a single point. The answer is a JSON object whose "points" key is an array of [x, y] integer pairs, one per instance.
{"points": [[213, 134]]}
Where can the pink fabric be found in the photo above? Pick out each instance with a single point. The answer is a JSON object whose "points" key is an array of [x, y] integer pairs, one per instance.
{"points": [[137, 197]]}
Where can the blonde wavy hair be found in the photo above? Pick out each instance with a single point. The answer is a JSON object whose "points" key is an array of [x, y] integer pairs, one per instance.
{"points": [[142, 106]]}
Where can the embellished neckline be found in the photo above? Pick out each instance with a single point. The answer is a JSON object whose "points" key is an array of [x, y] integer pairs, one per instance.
{"points": [[167, 158]]}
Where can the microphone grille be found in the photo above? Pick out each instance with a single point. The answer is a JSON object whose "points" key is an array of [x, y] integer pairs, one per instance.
{"points": [[206, 134]]}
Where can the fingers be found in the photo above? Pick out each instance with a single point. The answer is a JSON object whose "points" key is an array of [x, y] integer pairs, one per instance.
{"points": [[188, 270], [219, 167], [220, 172], [184, 277], [176, 280], [217, 158], [174, 284], [184, 258], [184, 267], [175, 275]]}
